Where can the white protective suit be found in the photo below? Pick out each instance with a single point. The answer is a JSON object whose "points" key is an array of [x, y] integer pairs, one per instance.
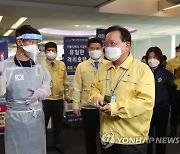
{"points": [[24, 124]]}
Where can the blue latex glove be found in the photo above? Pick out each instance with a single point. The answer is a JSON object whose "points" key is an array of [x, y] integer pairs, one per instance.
{"points": [[36, 95], [1, 63]]}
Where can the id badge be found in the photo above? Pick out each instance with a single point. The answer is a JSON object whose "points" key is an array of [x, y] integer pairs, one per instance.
{"points": [[113, 98], [107, 99]]}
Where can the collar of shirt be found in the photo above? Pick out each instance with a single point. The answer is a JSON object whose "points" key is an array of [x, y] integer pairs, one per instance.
{"points": [[90, 61], [125, 65], [24, 63], [99, 60], [49, 61]]}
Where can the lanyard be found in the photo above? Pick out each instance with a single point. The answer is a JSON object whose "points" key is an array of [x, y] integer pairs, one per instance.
{"points": [[118, 81], [21, 64]]}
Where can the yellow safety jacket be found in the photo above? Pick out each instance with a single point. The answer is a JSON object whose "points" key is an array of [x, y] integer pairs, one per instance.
{"points": [[132, 110], [59, 82], [173, 65], [84, 76]]}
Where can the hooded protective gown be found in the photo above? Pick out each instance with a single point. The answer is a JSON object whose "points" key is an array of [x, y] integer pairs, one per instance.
{"points": [[24, 124]]}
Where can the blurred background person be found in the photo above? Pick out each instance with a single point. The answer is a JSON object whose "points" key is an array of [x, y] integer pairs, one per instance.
{"points": [[164, 90], [54, 105], [62, 58], [164, 61], [84, 76], [173, 65], [143, 59]]}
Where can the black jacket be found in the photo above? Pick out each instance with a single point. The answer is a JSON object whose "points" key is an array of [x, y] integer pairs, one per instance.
{"points": [[164, 88]]}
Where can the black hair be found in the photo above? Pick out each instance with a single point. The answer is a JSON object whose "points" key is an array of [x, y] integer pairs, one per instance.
{"points": [[95, 40], [26, 29], [178, 47], [125, 34], [164, 57], [50, 45], [157, 51], [143, 57]]}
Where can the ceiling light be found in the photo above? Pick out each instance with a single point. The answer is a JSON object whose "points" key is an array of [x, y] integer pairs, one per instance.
{"points": [[19, 22], [75, 32], [88, 26], [136, 37], [67, 32], [171, 7], [1, 18], [76, 25], [15, 25], [8, 33], [131, 29]]}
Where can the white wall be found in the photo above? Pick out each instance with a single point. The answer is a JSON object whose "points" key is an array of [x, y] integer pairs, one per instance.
{"points": [[177, 40], [60, 51], [139, 47]]}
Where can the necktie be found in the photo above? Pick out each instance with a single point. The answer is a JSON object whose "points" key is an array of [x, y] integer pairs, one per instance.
{"points": [[96, 64], [52, 63]]}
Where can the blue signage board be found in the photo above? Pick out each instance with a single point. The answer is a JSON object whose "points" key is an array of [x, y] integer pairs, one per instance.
{"points": [[100, 33], [75, 51], [4, 47]]}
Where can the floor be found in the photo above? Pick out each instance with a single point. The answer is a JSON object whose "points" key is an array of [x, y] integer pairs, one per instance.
{"points": [[74, 142]]}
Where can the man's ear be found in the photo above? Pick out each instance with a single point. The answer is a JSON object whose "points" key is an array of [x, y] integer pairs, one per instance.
{"points": [[19, 42], [128, 44]]}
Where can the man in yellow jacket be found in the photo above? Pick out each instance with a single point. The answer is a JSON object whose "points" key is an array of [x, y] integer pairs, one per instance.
{"points": [[124, 91], [173, 65], [84, 76], [53, 106]]}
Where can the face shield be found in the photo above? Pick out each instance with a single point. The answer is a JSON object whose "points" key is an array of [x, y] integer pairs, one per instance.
{"points": [[32, 49]]}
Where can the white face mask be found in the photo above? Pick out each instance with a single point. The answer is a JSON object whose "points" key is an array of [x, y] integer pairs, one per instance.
{"points": [[177, 54], [31, 50], [95, 54], [51, 55], [113, 53], [153, 62]]}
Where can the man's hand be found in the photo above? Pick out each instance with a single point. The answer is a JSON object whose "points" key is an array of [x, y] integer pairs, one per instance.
{"points": [[77, 112], [1, 63], [67, 100], [97, 101], [106, 109]]}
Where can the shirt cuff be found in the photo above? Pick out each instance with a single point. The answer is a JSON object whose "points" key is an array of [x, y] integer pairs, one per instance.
{"points": [[75, 105], [115, 108]]}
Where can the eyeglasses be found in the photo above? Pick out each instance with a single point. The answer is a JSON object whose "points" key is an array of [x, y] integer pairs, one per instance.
{"points": [[111, 44]]}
